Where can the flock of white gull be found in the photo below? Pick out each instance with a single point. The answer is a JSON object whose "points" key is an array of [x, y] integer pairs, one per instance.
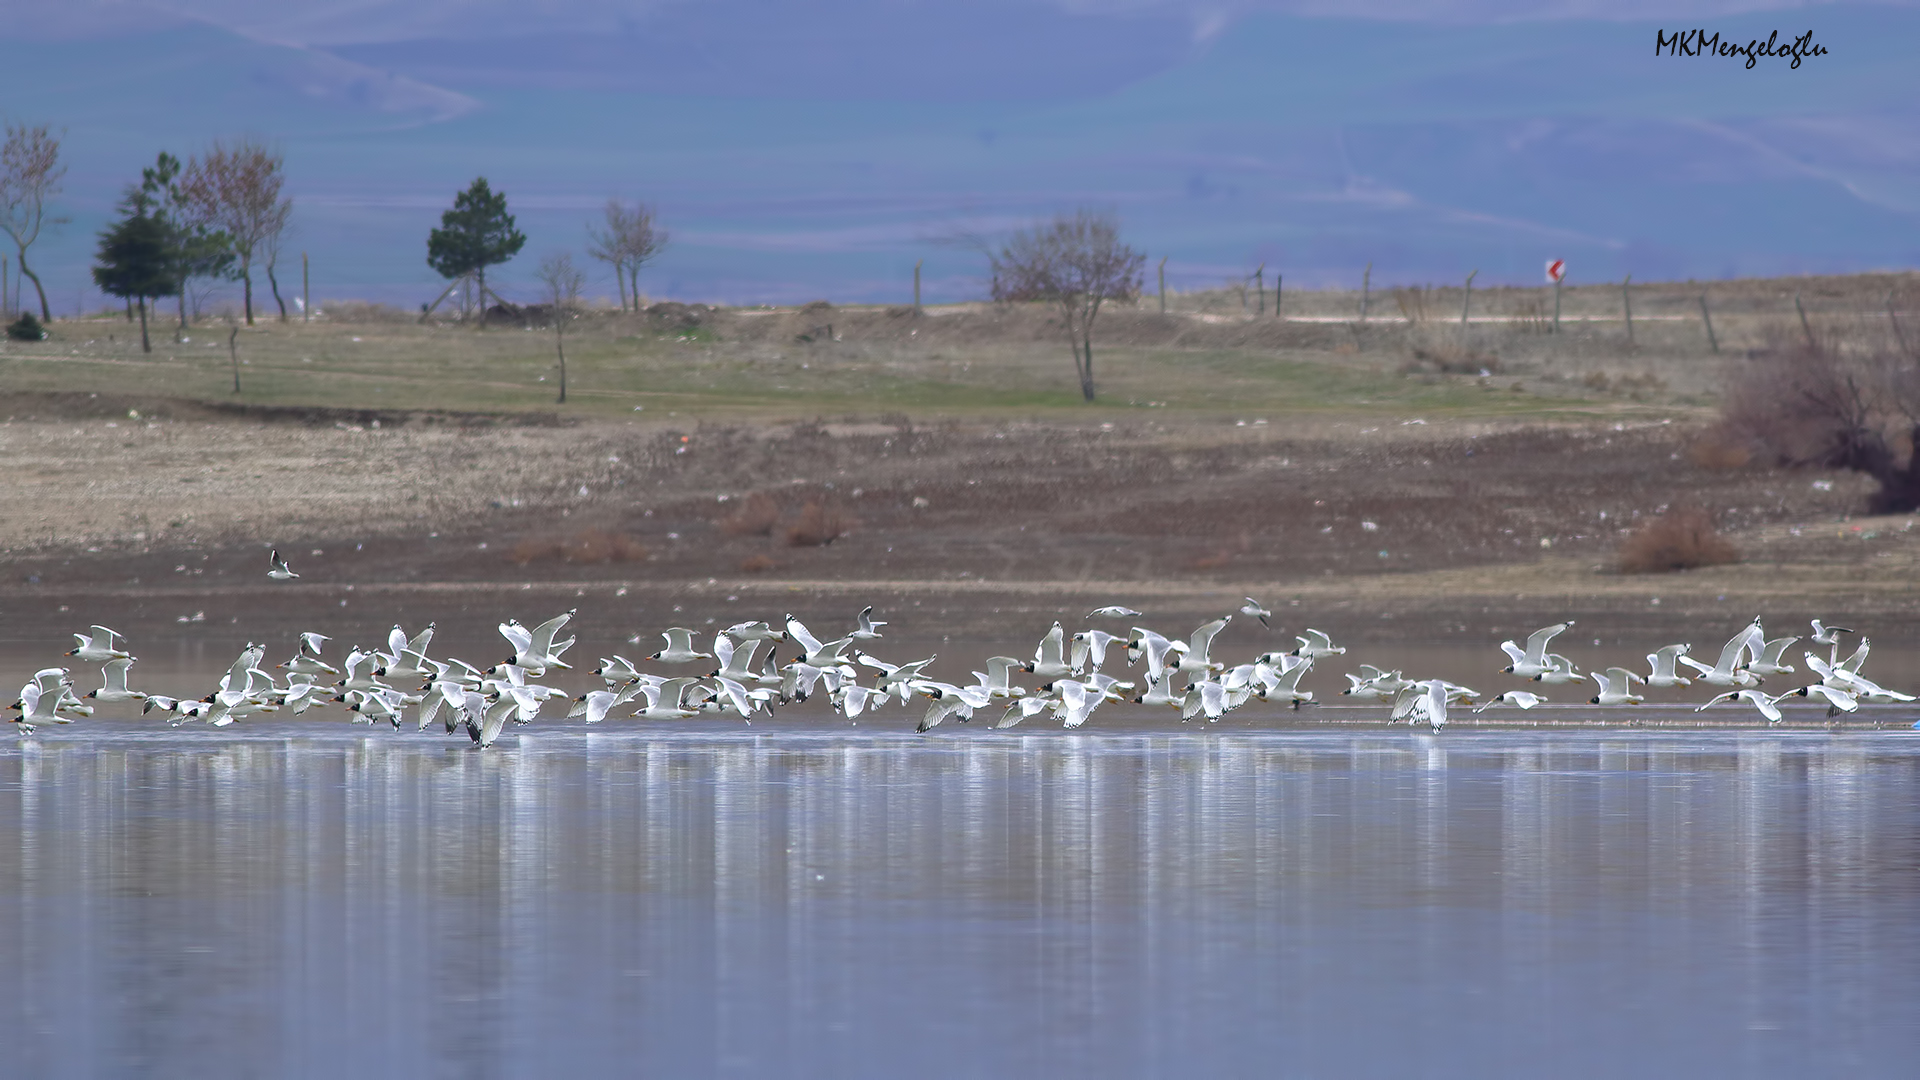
{"points": [[1067, 681]]}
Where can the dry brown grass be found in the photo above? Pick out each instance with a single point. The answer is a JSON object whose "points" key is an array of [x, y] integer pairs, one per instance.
{"points": [[591, 545], [756, 515], [758, 564], [818, 525], [1451, 358], [1719, 450], [1683, 538]]}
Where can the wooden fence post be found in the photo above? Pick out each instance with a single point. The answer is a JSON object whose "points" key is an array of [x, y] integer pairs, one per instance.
{"points": [[1626, 298], [916, 286], [1556, 301], [306, 292], [1895, 320], [1278, 277], [1707, 318], [1466, 302], [1366, 292], [1260, 284], [1163, 284], [1805, 326]]}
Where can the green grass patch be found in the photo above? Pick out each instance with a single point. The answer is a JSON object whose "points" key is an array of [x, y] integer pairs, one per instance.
{"points": [[611, 370]]}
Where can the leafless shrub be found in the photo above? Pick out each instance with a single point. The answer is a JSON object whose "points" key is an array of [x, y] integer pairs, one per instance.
{"points": [[533, 550], [1680, 539], [590, 545], [756, 515], [818, 525], [361, 311], [1451, 358], [1834, 403], [1412, 302], [1531, 317]]}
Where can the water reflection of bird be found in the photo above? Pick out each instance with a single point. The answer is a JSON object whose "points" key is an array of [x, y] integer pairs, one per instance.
{"points": [[1065, 682]]}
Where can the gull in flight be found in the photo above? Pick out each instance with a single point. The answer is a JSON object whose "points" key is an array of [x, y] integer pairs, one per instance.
{"points": [[1616, 688], [1314, 644], [678, 646], [113, 679], [819, 654], [1113, 611], [1196, 660], [1049, 658], [98, 647], [1752, 697], [1769, 660], [1559, 670], [757, 631], [1837, 701], [1091, 645], [277, 567], [306, 661], [1533, 660], [1732, 670], [1252, 607], [535, 650], [1662, 662], [1827, 635], [869, 629], [1519, 699], [1144, 642]]}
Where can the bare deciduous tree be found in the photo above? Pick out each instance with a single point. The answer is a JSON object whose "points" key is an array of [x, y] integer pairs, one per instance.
{"points": [[272, 244], [1834, 403], [627, 241], [560, 285], [30, 175], [1077, 262], [238, 190]]}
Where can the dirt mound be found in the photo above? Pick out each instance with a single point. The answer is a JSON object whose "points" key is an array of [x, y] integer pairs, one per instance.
{"points": [[673, 315]]}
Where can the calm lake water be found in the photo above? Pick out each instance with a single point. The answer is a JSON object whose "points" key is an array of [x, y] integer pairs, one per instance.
{"points": [[314, 899]]}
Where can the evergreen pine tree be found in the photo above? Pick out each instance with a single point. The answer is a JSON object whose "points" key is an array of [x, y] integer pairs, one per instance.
{"points": [[475, 234], [135, 258]]}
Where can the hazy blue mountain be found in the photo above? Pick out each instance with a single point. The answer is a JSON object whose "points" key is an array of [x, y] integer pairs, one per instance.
{"points": [[794, 160]]}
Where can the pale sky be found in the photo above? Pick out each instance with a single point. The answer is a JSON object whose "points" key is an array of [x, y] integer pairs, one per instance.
{"points": [[335, 22]]}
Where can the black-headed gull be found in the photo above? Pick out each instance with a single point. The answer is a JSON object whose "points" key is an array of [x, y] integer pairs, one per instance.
{"points": [[98, 647], [1533, 659], [1661, 663]]}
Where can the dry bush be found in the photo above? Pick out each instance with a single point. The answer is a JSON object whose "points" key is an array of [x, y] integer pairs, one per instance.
{"points": [[818, 525], [1834, 402], [1448, 358], [1412, 301], [530, 551], [1680, 539], [587, 546], [1717, 450], [599, 546], [360, 311], [756, 515], [757, 564], [1531, 316]]}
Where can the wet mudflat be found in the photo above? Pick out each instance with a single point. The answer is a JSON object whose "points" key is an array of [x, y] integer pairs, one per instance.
{"points": [[311, 898]]}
